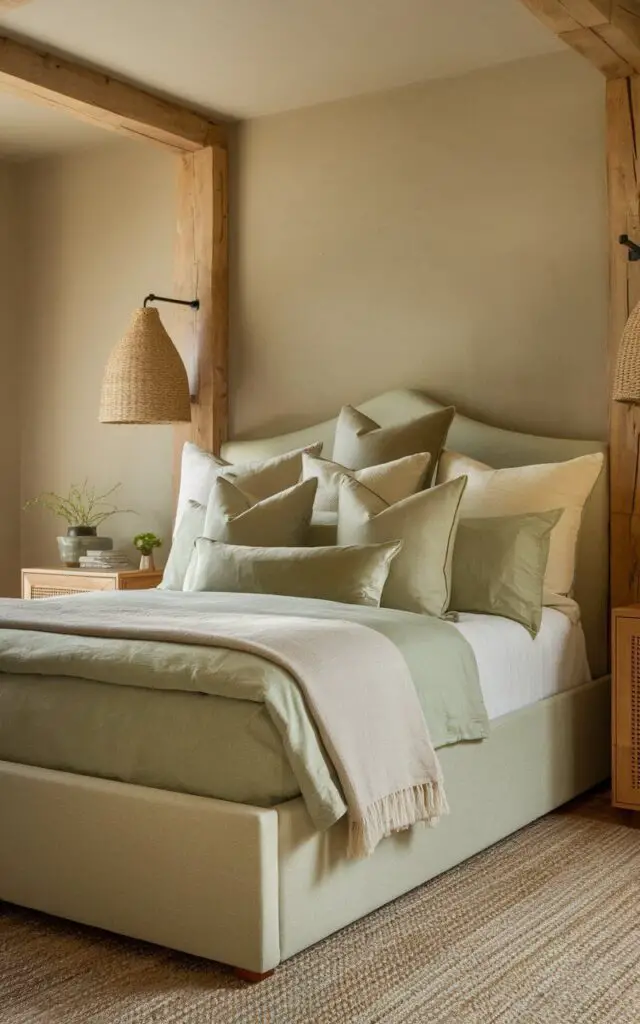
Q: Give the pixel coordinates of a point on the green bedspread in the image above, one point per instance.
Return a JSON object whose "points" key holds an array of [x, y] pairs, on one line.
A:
{"points": [[210, 721]]}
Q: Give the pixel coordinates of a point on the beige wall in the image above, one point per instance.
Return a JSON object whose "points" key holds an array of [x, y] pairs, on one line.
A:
{"points": [[100, 236], [10, 346], [449, 236]]}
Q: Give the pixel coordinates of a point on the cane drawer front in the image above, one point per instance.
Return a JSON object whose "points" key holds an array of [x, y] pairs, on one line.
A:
{"points": [[37, 585], [626, 711]]}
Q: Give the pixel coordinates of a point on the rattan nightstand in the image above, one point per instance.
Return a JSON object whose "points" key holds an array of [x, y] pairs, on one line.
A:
{"points": [[626, 707], [38, 583]]}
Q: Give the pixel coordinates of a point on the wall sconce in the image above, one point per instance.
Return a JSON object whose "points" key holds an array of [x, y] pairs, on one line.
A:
{"points": [[145, 380]]}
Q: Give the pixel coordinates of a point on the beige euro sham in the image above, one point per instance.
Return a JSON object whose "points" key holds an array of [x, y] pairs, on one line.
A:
{"points": [[361, 442], [392, 481], [350, 575], [524, 489], [426, 523]]}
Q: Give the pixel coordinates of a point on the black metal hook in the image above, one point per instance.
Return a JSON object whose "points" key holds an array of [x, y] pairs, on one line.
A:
{"points": [[194, 303], [634, 249]]}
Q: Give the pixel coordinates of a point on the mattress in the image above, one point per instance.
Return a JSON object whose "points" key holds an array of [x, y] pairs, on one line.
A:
{"points": [[516, 670]]}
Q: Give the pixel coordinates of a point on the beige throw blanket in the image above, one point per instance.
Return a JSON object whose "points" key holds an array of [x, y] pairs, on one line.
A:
{"points": [[355, 681]]}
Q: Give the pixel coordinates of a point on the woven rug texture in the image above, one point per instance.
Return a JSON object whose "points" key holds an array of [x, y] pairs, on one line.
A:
{"points": [[543, 928]]}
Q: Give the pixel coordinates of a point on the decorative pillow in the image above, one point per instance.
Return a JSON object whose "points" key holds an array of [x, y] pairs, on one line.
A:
{"points": [[351, 575], [553, 485], [499, 565], [392, 481], [190, 527], [426, 523], [282, 520], [259, 479], [361, 442], [323, 531]]}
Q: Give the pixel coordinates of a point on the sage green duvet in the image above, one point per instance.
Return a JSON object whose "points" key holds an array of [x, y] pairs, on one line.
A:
{"points": [[206, 720]]}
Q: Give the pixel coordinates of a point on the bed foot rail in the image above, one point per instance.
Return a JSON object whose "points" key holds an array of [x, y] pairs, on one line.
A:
{"points": [[251, 976]]}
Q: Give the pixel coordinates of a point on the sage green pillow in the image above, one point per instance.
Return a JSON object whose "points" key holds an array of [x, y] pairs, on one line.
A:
{"points": [[351, 575], [361, 442], [499, 565], [190, 527], [426, 523], [280, 520]]}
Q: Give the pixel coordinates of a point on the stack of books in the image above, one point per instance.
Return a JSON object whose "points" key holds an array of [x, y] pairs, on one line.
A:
{"points": [[107, 561]]}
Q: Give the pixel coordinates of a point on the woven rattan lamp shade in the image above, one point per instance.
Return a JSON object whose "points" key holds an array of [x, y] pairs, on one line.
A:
{"points": [[145, 380], [626, 381]]}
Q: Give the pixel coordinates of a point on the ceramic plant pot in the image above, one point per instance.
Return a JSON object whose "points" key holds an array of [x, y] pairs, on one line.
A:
{"points": [[78, 541], [146, 563]]}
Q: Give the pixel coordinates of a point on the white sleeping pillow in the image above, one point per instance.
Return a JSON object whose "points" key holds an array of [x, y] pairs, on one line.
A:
{"points": [[391, 481], [200, 470], [523, 489]]}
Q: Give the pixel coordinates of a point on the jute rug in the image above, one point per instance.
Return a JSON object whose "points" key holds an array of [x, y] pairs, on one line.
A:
{"points": [[542, 929]]}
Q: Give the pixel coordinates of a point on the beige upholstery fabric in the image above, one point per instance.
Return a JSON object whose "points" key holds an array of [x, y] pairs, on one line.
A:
{"points": [[392, 481], [426, 523], [351, 575], [361, 442], [499, 565], [258, 477], [281, 520], [542, 488]]}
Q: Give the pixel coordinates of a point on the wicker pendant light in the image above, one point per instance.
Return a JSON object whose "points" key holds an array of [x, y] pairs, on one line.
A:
{"points": [[145, 380], [626, 380]]}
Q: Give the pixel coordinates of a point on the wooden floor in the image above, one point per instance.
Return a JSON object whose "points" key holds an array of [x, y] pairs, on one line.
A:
{"points": [[596, 805]]}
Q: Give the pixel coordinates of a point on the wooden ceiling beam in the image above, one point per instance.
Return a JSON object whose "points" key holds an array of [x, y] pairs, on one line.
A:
{"points": [[103, 99], [605, 32]]}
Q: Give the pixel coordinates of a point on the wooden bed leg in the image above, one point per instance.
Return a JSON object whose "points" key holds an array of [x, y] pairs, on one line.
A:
{"points": [[251, 976]]}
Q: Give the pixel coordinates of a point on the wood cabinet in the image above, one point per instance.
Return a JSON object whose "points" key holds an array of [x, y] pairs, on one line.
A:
{"points": [[38, 583], [626, 707]]}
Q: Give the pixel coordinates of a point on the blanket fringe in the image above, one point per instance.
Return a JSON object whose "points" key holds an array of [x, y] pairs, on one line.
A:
{"points": [[395, 812]]}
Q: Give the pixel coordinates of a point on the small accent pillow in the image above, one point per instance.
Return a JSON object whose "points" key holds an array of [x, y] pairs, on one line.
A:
{"points": [[233, 517], [199, 471], [392, 481], [426, 523], [524, 489], [281, 520], [190, 527], [351, 575], [361, 442], [499, 565]]}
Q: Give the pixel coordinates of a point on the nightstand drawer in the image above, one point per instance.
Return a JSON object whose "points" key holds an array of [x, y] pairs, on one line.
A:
{"points": [[41, 583]]}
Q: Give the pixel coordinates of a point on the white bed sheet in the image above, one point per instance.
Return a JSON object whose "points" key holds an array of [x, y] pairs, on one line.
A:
{"points": [[516, 670]]}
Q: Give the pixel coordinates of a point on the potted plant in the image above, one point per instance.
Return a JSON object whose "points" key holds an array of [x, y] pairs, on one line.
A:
{"points": [[145, 543], [84, 510]]}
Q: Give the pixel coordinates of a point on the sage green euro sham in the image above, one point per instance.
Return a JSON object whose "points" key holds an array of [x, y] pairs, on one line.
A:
{"points": [[190, 527], [351, 575], [426, 523], [499, 565], [361, 442]]}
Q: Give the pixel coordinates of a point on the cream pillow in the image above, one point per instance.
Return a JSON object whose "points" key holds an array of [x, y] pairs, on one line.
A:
{"points": [[352, 575], [361, 442], [199, 470], [190, 527], [392, 481], [506, 492], [426, 523], [281, 520]]}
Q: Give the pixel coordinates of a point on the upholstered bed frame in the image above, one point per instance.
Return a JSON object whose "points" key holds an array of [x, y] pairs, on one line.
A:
{"points": [[251, 887]]}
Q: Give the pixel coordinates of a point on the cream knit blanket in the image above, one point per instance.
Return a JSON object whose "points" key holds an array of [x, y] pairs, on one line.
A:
{"points": [[356, 685]]}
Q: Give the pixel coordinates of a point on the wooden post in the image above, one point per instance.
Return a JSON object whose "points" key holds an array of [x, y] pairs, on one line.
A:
{"points": [[623, 117], [201, 271]]}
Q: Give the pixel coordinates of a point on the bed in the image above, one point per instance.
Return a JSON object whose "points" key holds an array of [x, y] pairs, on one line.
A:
{"points": [[250, 886]]}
